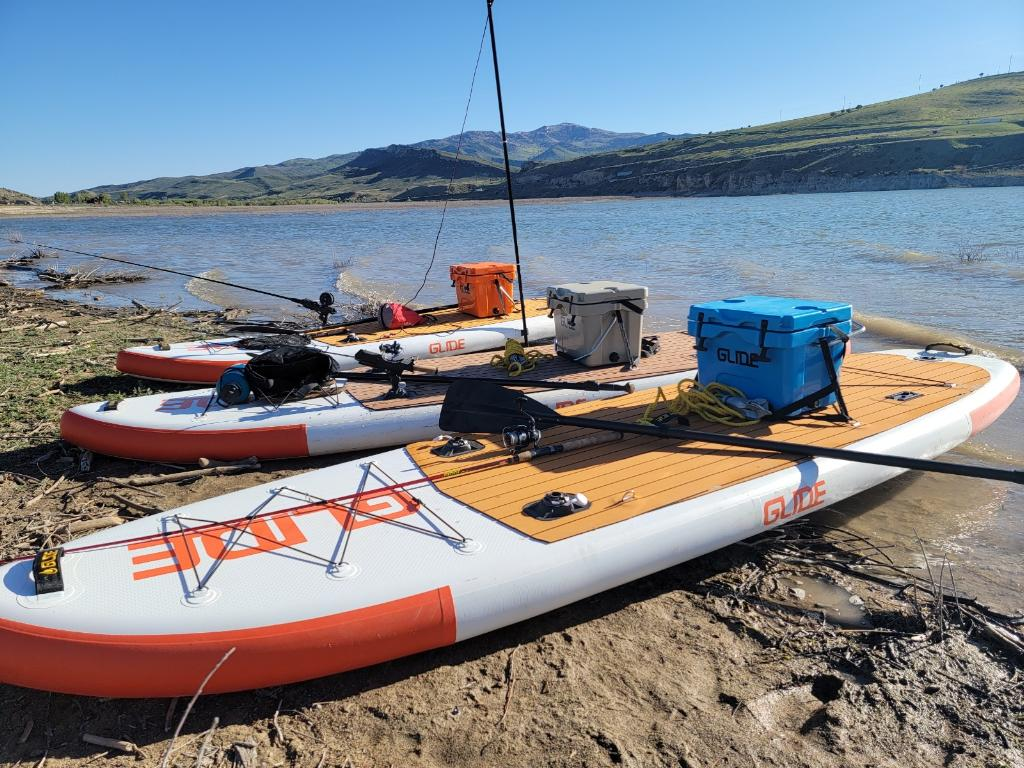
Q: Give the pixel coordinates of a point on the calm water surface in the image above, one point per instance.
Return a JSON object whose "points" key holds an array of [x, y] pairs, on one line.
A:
{"points": [[893, 255]]}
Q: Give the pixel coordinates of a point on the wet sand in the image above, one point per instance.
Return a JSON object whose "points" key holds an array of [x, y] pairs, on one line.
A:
{"points": [[803, 647]]}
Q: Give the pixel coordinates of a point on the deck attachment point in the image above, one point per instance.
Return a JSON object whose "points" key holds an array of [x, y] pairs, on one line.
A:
{"points": [[456, 446], [557, 504], [468, 547], [200, 597], [903, 396], [342, 571]]}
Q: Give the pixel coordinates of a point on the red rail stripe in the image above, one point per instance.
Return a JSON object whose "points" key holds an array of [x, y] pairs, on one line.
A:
{"points": [[984, 415], [143, 444], [188, 370], [134, 666]]}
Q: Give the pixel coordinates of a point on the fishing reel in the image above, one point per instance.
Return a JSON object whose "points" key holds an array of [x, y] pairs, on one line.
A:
{"points": [[324, 308], [392, 349], [518, 438]]}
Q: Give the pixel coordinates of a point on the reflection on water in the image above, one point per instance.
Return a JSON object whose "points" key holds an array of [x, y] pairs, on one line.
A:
{"points": [[893, 255]]}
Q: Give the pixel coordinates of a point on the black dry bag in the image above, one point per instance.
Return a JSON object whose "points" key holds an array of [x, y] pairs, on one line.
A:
{"points": [[288, 371]]}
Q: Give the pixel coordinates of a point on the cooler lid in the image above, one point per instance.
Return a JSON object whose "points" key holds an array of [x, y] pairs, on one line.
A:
{"points": [[598, 292], [783, 314], [483, 268]]}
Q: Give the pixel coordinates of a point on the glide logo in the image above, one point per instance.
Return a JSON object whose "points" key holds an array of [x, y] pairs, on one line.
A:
{"points": [[737, 357], [803, 499], [449, 345]]}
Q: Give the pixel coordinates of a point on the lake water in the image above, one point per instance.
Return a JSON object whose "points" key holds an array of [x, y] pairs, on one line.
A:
{"points": [[894, 255]]}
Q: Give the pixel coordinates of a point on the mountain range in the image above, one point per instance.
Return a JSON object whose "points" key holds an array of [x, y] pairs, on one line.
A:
{"points": [[396, 172], [966, 134]]}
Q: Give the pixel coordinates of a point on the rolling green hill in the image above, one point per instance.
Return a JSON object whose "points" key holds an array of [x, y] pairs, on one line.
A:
{"points": [[968, 134], [397, 172], [10, 197], [971, 133]]}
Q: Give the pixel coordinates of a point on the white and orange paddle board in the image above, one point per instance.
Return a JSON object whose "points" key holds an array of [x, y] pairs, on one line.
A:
{"points": [[381, 557]]}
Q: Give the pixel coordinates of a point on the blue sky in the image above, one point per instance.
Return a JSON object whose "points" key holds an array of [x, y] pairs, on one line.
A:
{"points": [[110, 92]]}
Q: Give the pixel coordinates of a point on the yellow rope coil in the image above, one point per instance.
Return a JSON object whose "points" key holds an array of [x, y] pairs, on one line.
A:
{"points": [[517, 359], [693, 399]]}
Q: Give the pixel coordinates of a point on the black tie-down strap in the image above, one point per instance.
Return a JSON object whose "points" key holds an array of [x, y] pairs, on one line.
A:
{"points": [[808, 401]]}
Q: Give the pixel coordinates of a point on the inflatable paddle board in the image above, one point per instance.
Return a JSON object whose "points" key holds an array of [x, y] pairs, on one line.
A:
{"points": [[449, 332], [184, 426], [381, 557]]}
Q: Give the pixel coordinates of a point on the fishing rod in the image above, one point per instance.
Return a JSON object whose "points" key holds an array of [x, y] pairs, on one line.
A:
{"points": [[324, 307], [508, 171], [483, 408]]}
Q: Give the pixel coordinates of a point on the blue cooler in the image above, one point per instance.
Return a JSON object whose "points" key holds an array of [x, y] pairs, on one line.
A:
{"points": [[770, 347]]}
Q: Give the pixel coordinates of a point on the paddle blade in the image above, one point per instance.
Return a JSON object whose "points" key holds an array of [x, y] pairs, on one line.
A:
{"points": [[481, 407]]}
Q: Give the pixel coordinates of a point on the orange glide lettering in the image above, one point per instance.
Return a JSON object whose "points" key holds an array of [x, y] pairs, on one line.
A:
{"points": [[802, 500]]}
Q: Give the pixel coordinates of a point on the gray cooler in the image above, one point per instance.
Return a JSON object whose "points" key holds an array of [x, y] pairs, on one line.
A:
{"points": [[598, 323]]}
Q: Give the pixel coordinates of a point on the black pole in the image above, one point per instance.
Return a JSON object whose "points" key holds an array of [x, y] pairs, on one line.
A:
{"points": [[508, 171]]}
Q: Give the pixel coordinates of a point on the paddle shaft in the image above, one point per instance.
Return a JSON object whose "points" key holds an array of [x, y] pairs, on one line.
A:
{"points": [[586, 386], [794, 449]]}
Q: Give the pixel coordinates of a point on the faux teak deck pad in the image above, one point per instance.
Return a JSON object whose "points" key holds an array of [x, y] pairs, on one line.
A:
{"points": [[638, 474], [676, 354], [446, 320]]}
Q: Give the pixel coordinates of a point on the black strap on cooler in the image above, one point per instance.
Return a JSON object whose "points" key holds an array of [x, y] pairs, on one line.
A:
{"points": [[808, 401]]}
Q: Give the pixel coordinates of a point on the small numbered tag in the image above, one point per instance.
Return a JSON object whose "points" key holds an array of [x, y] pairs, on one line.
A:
{"points": [[48, 572]]}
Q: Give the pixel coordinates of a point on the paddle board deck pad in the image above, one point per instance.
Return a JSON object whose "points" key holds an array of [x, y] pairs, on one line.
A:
{"points": [[448, 332], [378, 558], [185, 426]]}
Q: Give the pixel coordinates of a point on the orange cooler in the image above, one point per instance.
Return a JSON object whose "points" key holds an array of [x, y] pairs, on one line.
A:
{"points": [[484, 288]]}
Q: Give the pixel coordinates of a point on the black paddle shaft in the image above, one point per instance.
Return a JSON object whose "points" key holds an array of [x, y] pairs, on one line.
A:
{"points": [[796, 449], [491, 409], [586, 386]]}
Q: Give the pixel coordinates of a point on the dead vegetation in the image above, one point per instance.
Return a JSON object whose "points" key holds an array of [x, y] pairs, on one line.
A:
{"points": [[808, 646], [81, 278]]}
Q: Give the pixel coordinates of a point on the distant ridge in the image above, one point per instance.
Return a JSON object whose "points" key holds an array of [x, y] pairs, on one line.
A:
{"points": [[10, 197], [396, 172], [967, 134]]}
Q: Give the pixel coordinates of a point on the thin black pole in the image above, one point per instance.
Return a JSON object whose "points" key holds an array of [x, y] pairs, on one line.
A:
{"points": [[508, 171]]}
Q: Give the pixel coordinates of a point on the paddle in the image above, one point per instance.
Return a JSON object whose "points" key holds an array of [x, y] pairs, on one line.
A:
{"points": [[586, 386], [486, 408], [393, 371]]}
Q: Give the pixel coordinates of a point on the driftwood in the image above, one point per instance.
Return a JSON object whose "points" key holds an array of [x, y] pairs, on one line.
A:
{"points": [[191, 474], [215, 463], [138, 506], [80, 526], [70, 278], [118, 744]]}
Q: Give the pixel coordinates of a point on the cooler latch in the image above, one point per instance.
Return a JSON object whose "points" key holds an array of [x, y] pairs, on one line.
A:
{"points": [[761, 338], [701, 346]]}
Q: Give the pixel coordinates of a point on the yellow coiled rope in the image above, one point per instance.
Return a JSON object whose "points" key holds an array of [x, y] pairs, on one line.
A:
{"points": [[693, 399], [517, 359]]}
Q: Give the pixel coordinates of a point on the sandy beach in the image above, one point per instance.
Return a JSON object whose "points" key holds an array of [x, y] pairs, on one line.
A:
{"points": [[77, 211], [803, 647]]}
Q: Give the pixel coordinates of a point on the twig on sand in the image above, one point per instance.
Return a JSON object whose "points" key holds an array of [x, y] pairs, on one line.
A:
{"points": [[201, 755], [172, 704], [277, 726], [191, 474], [138, 506], [80, 526], [510, 684], [191, 703], [119, 744], [45, 493]]}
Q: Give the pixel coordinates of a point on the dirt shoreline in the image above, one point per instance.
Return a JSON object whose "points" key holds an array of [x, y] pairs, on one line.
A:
{"points": [[803, 647], [80, 211]]}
